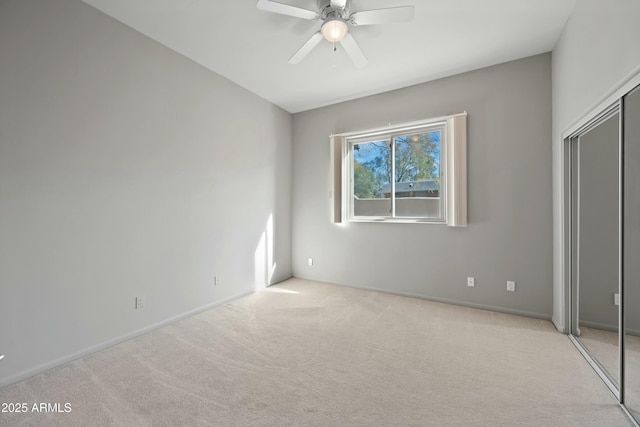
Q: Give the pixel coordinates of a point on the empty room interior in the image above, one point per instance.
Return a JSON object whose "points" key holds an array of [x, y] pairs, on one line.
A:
{"points": [[320, 212]]}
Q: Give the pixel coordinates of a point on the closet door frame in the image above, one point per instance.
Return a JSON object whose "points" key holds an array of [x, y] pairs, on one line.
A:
{"points": [[571, 191], [566, 257]]}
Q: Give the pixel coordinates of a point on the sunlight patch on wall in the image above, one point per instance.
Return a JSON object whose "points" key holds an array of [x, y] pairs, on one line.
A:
{"points": [[264, 267]]}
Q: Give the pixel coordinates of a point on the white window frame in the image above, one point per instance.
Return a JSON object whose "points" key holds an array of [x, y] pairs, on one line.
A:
{"points": [[453, 203], [390, 137]]}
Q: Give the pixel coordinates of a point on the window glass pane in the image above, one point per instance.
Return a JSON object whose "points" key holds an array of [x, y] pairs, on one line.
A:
{"points": [[371, 173], [401, 173], [417, 175]]}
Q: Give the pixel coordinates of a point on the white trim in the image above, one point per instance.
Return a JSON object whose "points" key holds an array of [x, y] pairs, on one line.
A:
{"points": [[110, 343], [390, 137], [631, 418], [559, 327], [559, 249], [453, 170], [398, 220], [627, 84], [546, 317]]}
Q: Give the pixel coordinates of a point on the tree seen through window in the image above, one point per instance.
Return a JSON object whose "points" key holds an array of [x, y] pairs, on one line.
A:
{"points": [[417, 161]]}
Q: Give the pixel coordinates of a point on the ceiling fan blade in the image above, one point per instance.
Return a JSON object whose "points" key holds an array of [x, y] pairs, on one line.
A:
{"points": [[383, 16], [285, 9], [353, 50], [306, 48], [338, 4]]}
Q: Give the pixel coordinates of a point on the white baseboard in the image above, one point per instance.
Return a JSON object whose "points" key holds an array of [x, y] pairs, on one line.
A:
{"points": [[560, 327], [102, 346], [435, 299], [607, 327], [599, 325], [276, 280]]}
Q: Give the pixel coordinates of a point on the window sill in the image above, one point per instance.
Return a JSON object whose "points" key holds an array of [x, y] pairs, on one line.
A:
{"points": [[400, 220]]}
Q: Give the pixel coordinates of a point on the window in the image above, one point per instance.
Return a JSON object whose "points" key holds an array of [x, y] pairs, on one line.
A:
{"points": [[397, 175], [405, 173]]}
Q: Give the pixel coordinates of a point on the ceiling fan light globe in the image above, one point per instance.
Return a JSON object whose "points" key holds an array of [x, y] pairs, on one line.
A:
{"points": [[334, 30]]}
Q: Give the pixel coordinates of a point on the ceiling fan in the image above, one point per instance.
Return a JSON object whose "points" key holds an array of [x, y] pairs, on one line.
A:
{"points": [[336, 17]]}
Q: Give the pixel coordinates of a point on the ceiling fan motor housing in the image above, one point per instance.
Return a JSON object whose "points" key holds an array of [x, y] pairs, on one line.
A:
{"points": [[328, 12]]}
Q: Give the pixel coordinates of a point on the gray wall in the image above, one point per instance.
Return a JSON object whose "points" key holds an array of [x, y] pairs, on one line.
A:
{"points": [[509, 236], [597, 52], [125, 170]]}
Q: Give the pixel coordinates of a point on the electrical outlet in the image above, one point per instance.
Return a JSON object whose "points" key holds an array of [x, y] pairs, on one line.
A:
{"points": [[139, 303], [471, 282], [310, 261], [216, 281], [616, 299], [511, 286]]}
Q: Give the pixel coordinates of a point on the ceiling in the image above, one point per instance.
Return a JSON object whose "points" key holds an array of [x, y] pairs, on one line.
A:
{"points": [[251, 47]]}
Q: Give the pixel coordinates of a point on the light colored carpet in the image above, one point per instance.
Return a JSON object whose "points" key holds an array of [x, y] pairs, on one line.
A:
{"points": [[308, 354], [632, 370], [604, 346]]}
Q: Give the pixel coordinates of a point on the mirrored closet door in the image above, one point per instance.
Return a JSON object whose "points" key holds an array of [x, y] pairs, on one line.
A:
{"points": [[602, 187], [596, 242], [631, 251]]}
